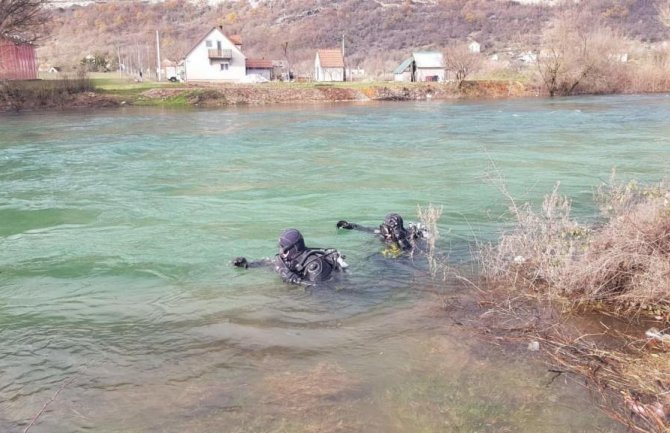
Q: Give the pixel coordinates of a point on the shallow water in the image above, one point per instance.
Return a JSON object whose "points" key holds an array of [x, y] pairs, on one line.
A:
{"points": [[117, 228]]}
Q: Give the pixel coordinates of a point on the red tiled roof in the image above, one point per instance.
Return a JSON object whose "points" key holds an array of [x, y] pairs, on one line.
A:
{"points": [[259, 64], [331, 58], [235, 39]]}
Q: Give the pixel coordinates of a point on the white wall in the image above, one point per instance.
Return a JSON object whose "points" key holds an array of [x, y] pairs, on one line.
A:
{"points": [[327, 74], [267, 73], [200, 68], [422, 73], [405, 76]]}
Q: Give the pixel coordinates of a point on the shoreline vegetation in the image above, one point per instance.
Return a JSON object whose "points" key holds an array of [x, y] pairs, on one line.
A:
{"points": [[85, 92], [593, 298], [107, 90]]}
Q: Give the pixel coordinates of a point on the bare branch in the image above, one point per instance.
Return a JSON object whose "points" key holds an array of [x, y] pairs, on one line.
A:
{"points": [[664, 13], [461, 61], [23, 19]]}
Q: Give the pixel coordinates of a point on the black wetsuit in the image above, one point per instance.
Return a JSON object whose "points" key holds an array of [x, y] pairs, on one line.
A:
{"points": [[392, 232], [297, 264]]}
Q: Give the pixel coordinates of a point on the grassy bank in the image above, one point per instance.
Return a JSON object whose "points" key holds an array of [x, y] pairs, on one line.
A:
{"points": [[18, 95], [595, 297], [111, 89]]}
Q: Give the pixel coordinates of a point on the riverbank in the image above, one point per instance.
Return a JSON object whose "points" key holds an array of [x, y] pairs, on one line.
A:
{"points": [[38, 96], [594, 298]]}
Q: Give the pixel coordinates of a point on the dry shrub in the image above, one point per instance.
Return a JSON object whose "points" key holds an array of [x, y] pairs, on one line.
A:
{"points": [[627, 261], [620, 267], [429, 216], [649, 77], [649, 70], [624, 262], [535, 253]]}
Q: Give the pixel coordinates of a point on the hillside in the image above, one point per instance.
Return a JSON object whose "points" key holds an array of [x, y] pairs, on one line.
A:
{"points": [[377, 33]]}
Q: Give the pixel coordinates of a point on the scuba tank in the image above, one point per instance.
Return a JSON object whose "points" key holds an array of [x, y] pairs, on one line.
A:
{"points": [[317, 265]]}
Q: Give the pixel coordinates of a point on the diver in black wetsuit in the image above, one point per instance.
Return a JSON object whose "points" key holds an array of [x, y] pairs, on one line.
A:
{"points": [[297, 264], [392, 232]]}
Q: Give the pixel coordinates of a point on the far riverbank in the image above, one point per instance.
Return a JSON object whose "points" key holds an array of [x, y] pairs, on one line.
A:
{"points": [[51, 94]]}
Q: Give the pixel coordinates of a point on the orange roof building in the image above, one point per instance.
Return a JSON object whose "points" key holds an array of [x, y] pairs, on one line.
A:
{"points": [[259, 64], [329, 65]]}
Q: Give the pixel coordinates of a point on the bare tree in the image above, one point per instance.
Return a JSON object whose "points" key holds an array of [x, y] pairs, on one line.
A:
{"points": [[24, 19], [577, 52], [664, 13], [460, 60]]}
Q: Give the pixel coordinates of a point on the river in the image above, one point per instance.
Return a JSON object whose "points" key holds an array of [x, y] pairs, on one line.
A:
{"points": [[120, 311]]}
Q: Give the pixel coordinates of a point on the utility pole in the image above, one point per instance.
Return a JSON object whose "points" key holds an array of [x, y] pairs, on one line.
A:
{"points": [[118, 54], [344, 72], [158, 56]]}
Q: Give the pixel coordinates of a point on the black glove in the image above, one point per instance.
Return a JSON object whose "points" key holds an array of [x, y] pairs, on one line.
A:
{"points": [[344, 225], [240, 262]]}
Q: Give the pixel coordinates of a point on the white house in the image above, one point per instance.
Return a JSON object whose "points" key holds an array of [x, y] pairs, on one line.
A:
{"points": [[329, 65], [216, 57], [422, 66], [474, 47]]}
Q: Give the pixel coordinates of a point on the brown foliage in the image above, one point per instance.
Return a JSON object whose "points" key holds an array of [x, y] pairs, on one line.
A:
{"points": [[374, 35], [580, 56], [623, 263]]}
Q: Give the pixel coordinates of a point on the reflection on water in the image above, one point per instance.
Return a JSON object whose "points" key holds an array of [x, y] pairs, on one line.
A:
{"points": [[117, 229]]}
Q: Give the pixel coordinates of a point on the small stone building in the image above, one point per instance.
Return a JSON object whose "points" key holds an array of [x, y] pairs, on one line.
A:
{"points": [[329, 65]]}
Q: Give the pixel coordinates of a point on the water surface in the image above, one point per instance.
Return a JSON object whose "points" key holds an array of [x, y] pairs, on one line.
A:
{"points": [[117, 228]]}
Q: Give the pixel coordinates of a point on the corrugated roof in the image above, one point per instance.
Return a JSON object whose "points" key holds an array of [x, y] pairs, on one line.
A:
{"points": [[428, 59], [403, 66], [259, 64], [331, 58]]}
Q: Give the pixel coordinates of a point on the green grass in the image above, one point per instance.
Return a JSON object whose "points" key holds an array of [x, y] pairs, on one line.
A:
{"points": [[181, 100]]}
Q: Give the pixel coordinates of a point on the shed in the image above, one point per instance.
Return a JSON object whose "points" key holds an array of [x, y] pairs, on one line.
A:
{"points": [[329, 65], [17, 59], [261, 67], [422, 66]]}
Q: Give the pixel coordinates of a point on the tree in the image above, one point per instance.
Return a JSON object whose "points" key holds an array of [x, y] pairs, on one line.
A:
{"points": [[460, 60], [664, 13], [578, 52], [25, 19]]}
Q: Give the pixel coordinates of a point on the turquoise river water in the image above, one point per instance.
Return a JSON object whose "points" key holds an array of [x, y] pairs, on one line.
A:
{"points": [[120, 311]]}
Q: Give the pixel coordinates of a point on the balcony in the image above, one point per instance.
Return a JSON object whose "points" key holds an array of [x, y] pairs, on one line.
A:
{"points": [[220, 54]]}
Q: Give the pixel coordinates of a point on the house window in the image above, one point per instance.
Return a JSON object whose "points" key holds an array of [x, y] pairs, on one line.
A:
{"points": [[224, 66], [208, 44]]}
